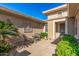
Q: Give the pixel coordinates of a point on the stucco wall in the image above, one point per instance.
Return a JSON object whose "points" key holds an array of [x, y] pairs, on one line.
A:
{"points": [[51, 18], [21, 24], [50, 29], [55, 15], [77, 18], [71, 26], [52, 34]]}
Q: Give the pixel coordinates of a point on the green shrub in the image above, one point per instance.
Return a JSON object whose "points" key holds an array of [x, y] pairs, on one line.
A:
{"points": [[43, 35], [68, 38], [67, 46], [64, 49], [76, 47], [5, 48]]}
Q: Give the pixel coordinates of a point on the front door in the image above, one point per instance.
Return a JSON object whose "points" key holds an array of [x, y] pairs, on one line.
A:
{"points": [[60, 29]]}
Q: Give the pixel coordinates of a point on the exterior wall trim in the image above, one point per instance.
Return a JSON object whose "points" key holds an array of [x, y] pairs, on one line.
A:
{"points": [[56, 9], [56, 18]]}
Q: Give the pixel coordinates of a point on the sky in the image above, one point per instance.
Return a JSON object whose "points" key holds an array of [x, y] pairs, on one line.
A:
{"points": [[31, 9]]}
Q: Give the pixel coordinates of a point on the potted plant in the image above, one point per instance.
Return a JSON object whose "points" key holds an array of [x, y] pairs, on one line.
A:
{"points": [[44, 35]]}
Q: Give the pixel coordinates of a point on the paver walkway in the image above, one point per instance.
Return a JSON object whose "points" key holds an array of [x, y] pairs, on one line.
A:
{"points": [[41, 48]]}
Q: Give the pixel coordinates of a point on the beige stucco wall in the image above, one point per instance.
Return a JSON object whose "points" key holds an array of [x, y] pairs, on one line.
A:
{"points": [[52, 34], [71, 26], [77, 18], [51, 25], [55, 15], [73, 14], [50, 29], [72, 7], [21, 24], [73, 11]]}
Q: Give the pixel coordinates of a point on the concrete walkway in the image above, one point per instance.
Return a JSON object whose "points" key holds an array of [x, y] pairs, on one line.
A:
{"points": [[41, 48]]}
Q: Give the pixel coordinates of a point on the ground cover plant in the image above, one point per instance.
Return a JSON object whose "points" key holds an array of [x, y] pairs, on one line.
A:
{"points": [[67, 46]]}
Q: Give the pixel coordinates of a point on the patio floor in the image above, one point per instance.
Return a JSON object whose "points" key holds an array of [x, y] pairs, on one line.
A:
{"points": [[41, 48]]}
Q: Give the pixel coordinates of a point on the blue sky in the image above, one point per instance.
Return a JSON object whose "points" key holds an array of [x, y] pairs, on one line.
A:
{"points": [[31, 9]]}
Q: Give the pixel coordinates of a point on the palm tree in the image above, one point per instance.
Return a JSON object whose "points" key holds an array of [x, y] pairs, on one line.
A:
{"points": [[7, 30]]}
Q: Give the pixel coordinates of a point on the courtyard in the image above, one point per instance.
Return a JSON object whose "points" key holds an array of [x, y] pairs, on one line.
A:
{"points": [[41, 48]]}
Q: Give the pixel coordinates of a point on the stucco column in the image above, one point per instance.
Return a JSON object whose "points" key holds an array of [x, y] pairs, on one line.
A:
{"points": [[58, 27], [66, 27], [53, 30], [44, 28]]}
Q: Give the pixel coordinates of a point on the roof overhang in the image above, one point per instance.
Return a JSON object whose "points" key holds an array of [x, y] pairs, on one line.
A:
{"points": [[57, 18], [7, 11], [72, 9], [62, 7]]}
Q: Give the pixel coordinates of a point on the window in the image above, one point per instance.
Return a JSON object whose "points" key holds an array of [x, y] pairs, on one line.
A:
{"points": [[28, 29], [60, 12]]}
